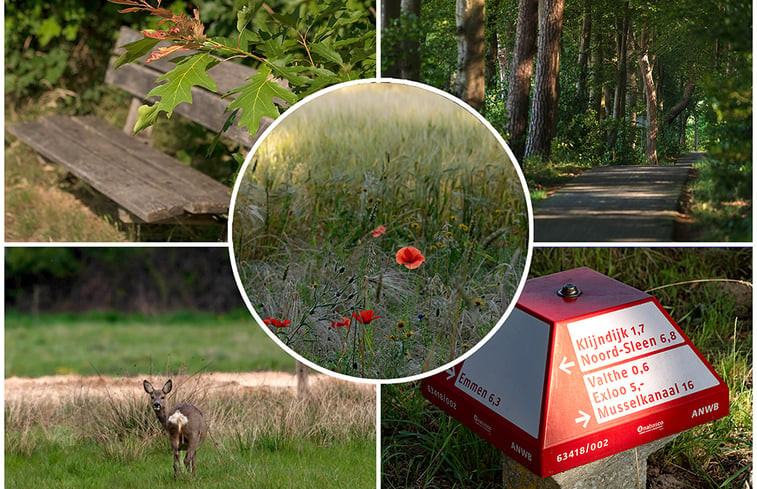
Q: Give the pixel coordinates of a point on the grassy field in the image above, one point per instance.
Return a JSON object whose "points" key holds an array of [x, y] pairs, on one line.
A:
{"points": [[112, 344], [258, 438], [340, 189], [707, 291]]}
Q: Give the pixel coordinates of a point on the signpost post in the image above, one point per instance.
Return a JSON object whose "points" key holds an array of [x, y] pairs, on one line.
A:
{"points": [[584, 368]]}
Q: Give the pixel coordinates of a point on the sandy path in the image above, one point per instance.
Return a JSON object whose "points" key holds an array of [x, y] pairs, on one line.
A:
{"points": [[65, 387]]}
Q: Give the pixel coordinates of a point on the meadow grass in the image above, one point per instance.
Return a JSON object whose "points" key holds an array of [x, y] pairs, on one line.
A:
{"points": [[344, 183], [709, 294], [115, 344], [258, 438]]}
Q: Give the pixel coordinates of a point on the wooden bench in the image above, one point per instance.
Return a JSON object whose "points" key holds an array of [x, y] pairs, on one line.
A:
{"points": [[149, 186]]}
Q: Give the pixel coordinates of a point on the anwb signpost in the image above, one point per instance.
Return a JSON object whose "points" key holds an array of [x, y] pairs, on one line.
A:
{"points": [[584, 368]]}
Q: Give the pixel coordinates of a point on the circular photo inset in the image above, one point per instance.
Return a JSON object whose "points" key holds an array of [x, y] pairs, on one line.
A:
{"points": [[380, 230]]}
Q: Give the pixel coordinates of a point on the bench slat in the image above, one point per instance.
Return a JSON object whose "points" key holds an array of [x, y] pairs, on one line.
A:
{"points": [[151, 185]]}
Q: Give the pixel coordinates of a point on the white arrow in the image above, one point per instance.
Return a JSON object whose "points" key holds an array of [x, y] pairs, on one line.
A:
{"points": [[585, 418], [450, 372], [565, 365]]}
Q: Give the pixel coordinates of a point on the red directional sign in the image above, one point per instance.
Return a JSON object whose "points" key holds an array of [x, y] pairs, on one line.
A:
{"points": [[583, 368]]}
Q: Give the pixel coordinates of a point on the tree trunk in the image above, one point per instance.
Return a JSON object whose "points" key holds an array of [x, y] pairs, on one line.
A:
{"points": [[622, 27], [492, 49], [688, 90], [596, 80], [645, 66], [520, 75], [470, 83], [584, 50], [391, 55], [410, 68], [544, 100]]}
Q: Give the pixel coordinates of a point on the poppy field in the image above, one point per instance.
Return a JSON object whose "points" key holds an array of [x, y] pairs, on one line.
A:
{"points": [[380, 230]]}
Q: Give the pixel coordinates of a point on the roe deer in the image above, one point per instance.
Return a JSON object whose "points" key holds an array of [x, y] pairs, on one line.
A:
{"points": [[184, 424]]}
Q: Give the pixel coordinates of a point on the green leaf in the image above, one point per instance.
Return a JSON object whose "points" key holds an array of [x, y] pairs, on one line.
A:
{"points": [[48, 30], [135, 50], [189, 71], [247, 13], [327, 52], [256, 99], [146, 117], [290, 72]]}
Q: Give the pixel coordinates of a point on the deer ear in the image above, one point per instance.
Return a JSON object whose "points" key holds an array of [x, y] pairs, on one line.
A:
{"points": [[148, 387], [167, 388]]}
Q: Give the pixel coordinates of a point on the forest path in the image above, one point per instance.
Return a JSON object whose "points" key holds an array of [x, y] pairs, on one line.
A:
{"points": [[615, 203]]}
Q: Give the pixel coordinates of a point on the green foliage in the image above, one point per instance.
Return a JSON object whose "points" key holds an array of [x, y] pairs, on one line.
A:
{"points": [[62, 44], [308, 44]]}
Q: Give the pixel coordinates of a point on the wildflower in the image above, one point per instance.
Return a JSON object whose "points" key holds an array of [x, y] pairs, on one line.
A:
{"points": [[276, 322], [415, 226], [409, 334], [448, 234], [365, 316], [421, 317], [439, 244], [392, 337], [378, 231], [401, 324], [463, 227], [410, 257], [478, 301], [345, 322]]}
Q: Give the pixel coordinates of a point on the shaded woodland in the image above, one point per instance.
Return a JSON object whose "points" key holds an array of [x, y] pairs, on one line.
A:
{"points": [[130, 280], [592, 81]]}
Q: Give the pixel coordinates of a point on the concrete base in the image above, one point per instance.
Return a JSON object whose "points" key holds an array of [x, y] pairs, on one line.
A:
{"points": [[625, 470]]}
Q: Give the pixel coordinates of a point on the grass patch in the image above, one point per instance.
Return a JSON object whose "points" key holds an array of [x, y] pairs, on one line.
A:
{"points": [[707, 291], [113, 344], [545, 177], [345, 183], [258, 437], [719, 214]]}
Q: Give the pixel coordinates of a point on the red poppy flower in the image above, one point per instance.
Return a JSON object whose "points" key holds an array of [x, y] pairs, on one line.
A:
{"points": [[276, 322], [345, 322], [365, 317], [410, 257], [378, 231]]}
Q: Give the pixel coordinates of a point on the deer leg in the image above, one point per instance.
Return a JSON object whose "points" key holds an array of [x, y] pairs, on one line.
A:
{"points": [[175, 447], [189, 459]]}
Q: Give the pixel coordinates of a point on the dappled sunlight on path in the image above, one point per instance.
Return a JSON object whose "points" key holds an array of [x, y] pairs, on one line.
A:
{"points": [[615, 203]]}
